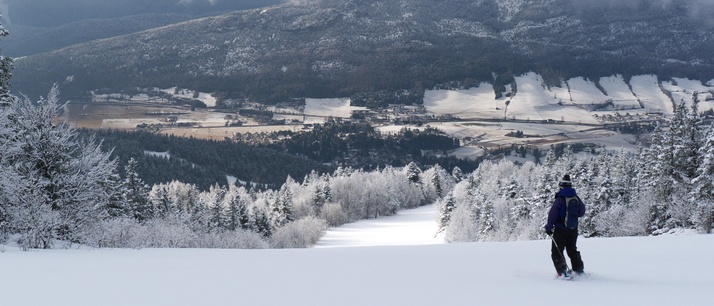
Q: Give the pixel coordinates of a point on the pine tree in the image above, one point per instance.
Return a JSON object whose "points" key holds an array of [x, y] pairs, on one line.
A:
{"points": [[702, 194], [458, 174], [448, 204], [5, 74], [136, 193], [413, 173], [238, 215], [261, 223], [660, 180], [436, 181], [215, 204], [160, 202], [683, 132], [281, 208], [68, 179]]}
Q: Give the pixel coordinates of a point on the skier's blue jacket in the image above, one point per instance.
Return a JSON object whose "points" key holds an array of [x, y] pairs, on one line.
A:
{"points": [[557, 214]]}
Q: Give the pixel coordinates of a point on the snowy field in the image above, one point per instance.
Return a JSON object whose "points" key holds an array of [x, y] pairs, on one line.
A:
{"points": [[317, 110], [647, 90], [414, 270], [206, 98], [535, 101]]}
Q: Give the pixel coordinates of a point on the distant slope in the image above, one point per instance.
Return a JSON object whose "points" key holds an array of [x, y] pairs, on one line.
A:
{"points": [[25, 41], [52, 13], [337, 48]]}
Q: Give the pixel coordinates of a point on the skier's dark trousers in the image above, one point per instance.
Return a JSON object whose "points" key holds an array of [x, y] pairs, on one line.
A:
{"points": [[563, 225]]}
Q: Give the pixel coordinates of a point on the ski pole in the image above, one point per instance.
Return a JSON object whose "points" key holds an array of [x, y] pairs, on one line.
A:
{"points": [[560, 252]]}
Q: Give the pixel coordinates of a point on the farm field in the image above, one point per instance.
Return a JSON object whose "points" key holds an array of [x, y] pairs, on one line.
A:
{"points": [[570, 113]]}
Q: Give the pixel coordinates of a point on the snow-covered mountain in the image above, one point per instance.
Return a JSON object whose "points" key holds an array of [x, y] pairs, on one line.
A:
{"points": [[334, 48]]}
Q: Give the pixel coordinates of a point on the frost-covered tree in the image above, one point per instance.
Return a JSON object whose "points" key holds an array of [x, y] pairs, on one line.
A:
{"points": [[660, 179], [413, 173], [70, 182], [684, 133], [261, 222], [702, 194], [457, 174], [280, 207], [238, 216], [215, 203], [448, 204], [439, 182], [160, 201], [5, 74]]}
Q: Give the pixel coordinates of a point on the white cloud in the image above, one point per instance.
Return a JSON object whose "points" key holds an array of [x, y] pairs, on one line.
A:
{"points": [[187, 2]]}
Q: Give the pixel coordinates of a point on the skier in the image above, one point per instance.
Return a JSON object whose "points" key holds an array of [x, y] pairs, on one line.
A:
{"points": [[562, 226]]}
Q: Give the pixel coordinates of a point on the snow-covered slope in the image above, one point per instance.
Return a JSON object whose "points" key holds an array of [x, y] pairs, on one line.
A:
{"points": [[408, 227], [665, 270], [578, 100]]}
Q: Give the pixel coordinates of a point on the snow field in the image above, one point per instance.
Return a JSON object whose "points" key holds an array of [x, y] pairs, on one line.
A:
{"points": [[317, 110], [535, 101], [617, 90], [646, 88], [685, 89], [585, 92], [206, 98], [624, 271], [477, 102]]}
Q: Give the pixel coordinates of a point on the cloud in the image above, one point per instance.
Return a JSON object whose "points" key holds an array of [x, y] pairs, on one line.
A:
{"points": [[304, 2], [4, 12], [187, 2]]}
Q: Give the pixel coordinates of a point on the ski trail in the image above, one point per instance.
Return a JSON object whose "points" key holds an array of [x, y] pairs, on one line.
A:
{"points": [[408, 227]]}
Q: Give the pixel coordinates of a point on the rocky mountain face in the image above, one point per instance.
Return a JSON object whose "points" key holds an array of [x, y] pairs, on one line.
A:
{"points": [[334, 48]]}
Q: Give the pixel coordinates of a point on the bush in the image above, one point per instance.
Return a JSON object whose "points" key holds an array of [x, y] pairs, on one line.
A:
{"points": [[302, 233], [334, 215], [238, 239]]}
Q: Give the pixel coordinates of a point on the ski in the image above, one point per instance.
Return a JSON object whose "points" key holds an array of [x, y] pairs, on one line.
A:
{"points": [[570, 275]]}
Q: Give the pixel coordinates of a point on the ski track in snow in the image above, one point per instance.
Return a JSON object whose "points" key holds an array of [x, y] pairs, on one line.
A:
{"points": [[408, 227]]}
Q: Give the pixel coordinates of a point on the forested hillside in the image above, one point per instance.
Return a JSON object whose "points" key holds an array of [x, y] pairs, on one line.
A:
{"points": [[341, 48], [204, 163]]}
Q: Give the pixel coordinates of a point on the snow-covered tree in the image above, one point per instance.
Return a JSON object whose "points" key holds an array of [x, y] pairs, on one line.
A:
{"points": [[238, 216], [448, 204], [702, 194], [160, 201], [281, 208], [413, 173], [136, 193], [215, 203], [457, 174], [5, 74], [70, 182]]}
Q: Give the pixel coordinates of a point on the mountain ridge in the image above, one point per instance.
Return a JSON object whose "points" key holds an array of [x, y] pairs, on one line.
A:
{"points": [[344, 47]]}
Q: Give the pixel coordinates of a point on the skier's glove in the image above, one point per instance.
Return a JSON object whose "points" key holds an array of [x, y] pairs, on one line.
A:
{"points": [[549, 232]]}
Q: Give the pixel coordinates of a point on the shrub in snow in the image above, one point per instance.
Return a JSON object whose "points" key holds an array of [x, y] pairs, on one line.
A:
{"points": [[302, 233], [115, 233], [239, 239], [333, 214]]}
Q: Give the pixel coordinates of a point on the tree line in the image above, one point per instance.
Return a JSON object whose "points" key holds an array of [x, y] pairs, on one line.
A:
{"points": [[665, 186], [199, 161], [57, 188]]}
